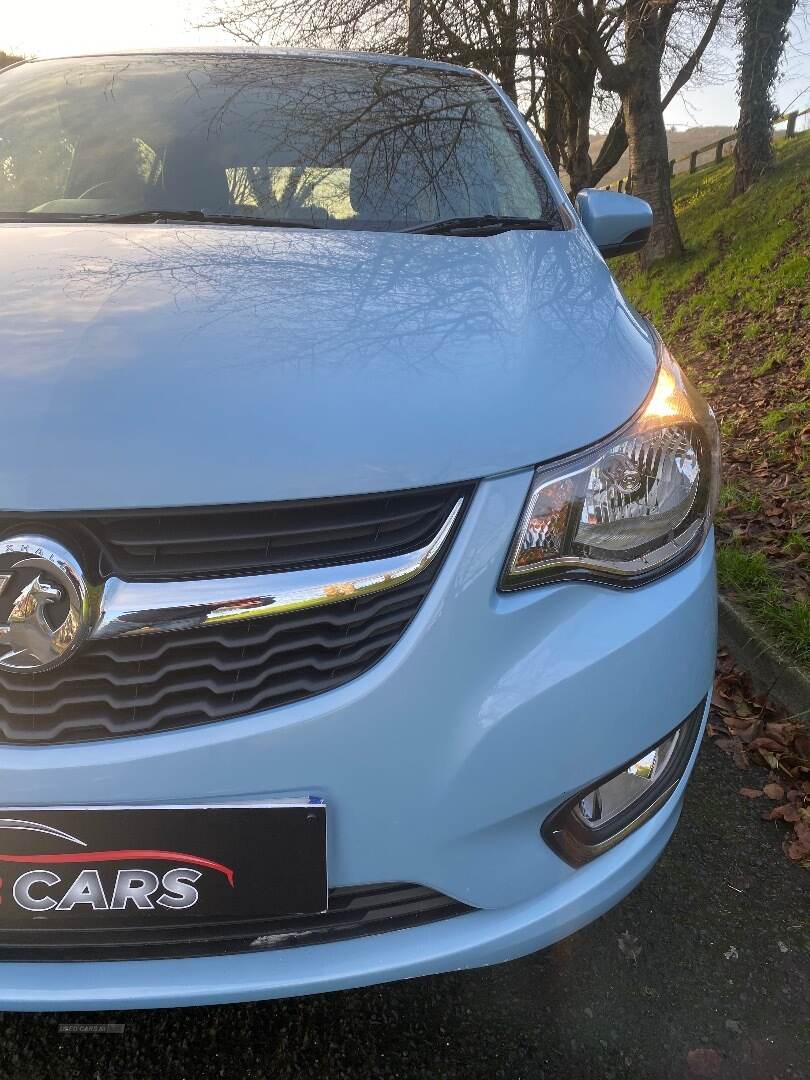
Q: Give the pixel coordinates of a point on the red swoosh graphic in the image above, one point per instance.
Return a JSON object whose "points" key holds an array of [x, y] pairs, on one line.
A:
{"points": [[126, 853]]}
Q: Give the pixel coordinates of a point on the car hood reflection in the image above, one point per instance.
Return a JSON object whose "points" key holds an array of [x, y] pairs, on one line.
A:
{"points": [[175, 365]]}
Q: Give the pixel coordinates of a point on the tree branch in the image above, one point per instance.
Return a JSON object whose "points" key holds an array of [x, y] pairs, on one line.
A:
{"points": [[688, 69]]}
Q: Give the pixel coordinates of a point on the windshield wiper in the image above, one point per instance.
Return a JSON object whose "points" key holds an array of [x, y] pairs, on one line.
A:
{"points": [[481, 225], [147, 217]]}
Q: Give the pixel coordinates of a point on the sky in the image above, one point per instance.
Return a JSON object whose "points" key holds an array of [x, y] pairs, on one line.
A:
{"points": [[58, 28]]}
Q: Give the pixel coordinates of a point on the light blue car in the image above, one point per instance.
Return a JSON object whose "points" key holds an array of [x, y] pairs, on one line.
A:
{"points": [[357, 589]]}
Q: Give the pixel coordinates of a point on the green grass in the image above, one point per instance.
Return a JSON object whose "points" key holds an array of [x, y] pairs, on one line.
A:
{"points": [[732, 495], [696, 294], [797, 544], [747, 575], [788, 420]]}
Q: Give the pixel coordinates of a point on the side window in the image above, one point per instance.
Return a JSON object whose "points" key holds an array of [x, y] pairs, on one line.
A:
{"points": [[34, 162]]}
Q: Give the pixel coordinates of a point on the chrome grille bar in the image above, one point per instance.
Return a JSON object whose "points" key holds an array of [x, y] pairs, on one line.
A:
{"points": [[131, 608]]}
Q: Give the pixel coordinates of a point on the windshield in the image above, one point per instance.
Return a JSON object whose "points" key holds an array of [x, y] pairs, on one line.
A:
{"points": [[331, 143]]}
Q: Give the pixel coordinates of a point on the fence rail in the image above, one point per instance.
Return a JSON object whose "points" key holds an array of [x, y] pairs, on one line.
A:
{"points": [[716, 147]]}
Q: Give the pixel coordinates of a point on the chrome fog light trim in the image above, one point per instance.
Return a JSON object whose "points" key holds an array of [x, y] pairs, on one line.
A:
{"points": [[599, 816]]}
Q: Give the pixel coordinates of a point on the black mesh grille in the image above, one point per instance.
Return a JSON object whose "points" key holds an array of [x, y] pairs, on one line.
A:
{"points": [[354, 911], [150, 545], [124, 686]]}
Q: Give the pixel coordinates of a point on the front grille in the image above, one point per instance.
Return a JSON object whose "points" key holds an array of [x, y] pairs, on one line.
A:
{"points": [[354, 911], [152, 545], [129, 685]]}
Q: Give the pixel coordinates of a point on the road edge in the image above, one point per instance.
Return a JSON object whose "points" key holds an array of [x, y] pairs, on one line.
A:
{"points": [[771, 672]]}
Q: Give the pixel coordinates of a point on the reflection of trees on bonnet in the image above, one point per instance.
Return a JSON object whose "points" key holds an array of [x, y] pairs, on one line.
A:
{"points": [[322, 298]]}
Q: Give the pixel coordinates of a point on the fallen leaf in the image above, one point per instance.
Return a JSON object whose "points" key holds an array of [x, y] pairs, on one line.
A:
{"points": [[764, 743], [629, 946], [774, 791], [788, 812], [783, 733], [748, 734], [797, 850], [755, 733], [738, 754]]}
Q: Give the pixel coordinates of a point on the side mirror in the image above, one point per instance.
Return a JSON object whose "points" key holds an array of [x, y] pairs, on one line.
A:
{"points": [[617, 223]]}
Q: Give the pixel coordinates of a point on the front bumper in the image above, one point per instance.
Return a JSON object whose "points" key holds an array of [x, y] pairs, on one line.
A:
{"points": [[437, 766]]}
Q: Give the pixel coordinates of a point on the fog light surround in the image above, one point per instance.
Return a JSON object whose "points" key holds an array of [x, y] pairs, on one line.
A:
{"points": [[597, 817]]}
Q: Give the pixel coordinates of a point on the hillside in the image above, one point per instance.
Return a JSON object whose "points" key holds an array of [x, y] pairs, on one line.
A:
{"points": [[6, 59], [736, 312], [680, 144]]}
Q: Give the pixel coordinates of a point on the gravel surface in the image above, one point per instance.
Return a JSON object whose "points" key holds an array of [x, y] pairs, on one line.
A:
{"points": [[703, 971]]}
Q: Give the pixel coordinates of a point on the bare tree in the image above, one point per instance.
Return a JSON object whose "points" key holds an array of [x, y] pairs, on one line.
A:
{"points": [[636, 78], [762, 36], [546, 54]]}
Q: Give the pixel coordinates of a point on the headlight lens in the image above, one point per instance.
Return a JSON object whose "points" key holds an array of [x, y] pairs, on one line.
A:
{"points": [[630, 509]]}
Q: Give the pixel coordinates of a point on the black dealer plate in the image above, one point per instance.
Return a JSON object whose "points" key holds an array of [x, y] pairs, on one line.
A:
{"points": [[139, 866]]}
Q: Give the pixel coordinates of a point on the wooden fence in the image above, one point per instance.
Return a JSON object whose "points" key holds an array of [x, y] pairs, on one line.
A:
{"points": [[716, 148]]}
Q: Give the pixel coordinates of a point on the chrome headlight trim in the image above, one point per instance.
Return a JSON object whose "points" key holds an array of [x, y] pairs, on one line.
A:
{"points": [[673, 418]]}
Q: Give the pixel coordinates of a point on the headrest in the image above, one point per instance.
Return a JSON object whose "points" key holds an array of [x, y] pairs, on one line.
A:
{"points": [[194, 177], [384, 190]]}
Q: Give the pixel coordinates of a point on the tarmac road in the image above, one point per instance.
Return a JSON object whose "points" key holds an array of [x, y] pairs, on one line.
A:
{"points": [[703, 971]]}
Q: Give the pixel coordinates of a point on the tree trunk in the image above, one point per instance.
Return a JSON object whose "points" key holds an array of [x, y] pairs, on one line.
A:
{"points": [[508, 31], [611, 150], [553, 107], [416, 27], [550, 35], [579, 147], [578, 81], [646, 131], [763, 34], [579, 171]]}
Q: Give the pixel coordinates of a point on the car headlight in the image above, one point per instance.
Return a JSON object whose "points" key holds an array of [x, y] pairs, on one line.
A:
{"points": [[631, 508]]}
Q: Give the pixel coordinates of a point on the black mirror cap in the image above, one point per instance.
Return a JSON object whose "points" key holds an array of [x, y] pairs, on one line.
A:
{"points": [[634, 242]]}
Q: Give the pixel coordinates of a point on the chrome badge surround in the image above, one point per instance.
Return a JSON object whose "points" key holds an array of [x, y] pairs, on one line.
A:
{"points": [[31, 639]]}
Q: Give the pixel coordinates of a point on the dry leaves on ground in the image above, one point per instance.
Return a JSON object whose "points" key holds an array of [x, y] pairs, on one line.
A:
{"points": [[768, 468], [753, 732]]}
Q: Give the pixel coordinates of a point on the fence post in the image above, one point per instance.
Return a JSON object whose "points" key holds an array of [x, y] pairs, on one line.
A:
{"points": [[693, 161], [718, 151], [672, 167], [791, 124]]}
